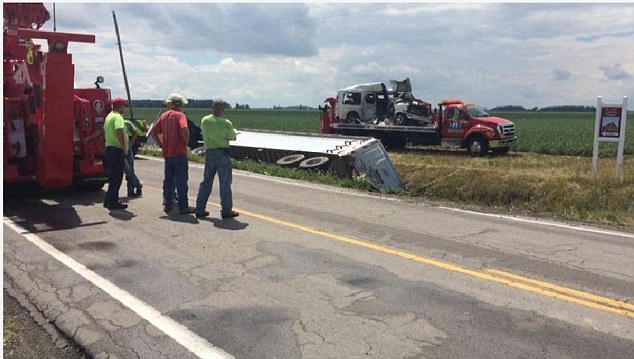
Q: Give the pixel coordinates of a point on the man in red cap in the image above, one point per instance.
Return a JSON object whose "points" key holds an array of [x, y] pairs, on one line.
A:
{"points": [[116, 148]]}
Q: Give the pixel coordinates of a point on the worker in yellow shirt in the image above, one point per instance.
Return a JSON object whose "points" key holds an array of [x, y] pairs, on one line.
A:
{"points": [[116, 148]]}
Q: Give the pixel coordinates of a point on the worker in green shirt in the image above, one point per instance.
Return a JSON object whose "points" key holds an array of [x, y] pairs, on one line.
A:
{"points": [[217, 132], [116, 148]]}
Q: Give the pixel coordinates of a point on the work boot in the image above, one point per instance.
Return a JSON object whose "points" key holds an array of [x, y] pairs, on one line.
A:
{"points": [[135, 191], [188, 210], [117, 205], [230, 215]]}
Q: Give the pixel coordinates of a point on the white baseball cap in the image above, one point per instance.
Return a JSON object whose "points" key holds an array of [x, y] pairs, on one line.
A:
{"points": [[174, 97]]}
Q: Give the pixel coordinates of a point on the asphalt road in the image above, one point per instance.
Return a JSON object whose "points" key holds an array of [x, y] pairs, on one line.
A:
{"points": [[316, 272]]}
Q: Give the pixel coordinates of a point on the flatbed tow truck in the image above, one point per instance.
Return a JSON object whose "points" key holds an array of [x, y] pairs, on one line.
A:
{"points": [[453, 124]]}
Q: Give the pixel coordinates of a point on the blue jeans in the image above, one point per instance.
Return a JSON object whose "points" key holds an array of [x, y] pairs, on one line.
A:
{"points": [[176, 175], [130, 177], [216, 161]]}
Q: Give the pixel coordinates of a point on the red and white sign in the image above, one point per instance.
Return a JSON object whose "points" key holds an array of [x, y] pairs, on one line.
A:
{"points": [[610, 123]]}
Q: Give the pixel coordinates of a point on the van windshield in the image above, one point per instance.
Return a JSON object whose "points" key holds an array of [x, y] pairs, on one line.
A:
{"points": [[475, 111]]}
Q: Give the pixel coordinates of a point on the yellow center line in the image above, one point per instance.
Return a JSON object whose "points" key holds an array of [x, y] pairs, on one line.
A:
{"points": [[572, 292], [493, 275]]}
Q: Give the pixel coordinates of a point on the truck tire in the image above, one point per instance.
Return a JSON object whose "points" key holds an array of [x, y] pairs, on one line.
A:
{"points": [[477, 146], [400, 119], [319, 163], [291, 160], [353, 117]]}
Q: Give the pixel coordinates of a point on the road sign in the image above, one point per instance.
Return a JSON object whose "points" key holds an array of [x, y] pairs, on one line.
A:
{"points": [[610, 122]]}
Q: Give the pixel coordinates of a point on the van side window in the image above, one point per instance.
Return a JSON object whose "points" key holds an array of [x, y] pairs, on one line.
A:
{"points": [[351, 98], [370, 97]]}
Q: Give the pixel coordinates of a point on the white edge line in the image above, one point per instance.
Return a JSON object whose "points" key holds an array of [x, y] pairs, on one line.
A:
{"points": [[181, 334], [552, 224], [499, 216]]}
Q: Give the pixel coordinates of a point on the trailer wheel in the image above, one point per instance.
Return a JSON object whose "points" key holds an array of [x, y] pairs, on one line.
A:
{"points": [[353, 117], [199, 151], [400, 119], [477, 146], [315, 163], [291, 160]]}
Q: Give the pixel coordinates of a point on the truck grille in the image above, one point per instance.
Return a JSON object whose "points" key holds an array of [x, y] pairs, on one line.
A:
{"points": [[507, 130]]}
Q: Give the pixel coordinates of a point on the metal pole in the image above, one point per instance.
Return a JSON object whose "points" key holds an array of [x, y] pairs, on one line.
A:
{"points": [[54, 19], [619, 155], [125, 77]]}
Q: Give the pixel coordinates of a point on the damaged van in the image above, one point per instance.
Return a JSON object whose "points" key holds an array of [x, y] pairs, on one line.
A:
{"points": [[363, 103]]}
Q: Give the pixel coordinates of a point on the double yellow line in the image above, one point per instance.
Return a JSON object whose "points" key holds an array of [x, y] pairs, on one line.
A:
{"points": [[512, 280], [493, 275]]}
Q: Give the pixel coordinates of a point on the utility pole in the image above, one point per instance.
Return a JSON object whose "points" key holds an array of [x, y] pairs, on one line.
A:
{"points": [[125, 76]]}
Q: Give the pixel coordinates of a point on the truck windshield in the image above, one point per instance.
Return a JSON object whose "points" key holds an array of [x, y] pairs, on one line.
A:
{"points": [[477, 112]]}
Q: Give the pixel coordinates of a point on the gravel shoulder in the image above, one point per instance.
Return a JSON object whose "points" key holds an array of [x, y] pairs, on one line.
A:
{"points": [[24, 338]]}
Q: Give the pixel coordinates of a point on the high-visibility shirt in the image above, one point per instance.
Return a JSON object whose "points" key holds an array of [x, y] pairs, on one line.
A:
{"points": [[217, 132], [137, 125], [113, 122]]}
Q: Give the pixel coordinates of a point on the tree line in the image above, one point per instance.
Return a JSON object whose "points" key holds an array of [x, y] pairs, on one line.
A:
{"points": [[561, 108], [190, 103]]}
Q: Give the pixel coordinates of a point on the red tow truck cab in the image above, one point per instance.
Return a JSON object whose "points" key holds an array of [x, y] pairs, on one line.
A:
{"points": [[453, 124], [46, 120], [468, 126]]}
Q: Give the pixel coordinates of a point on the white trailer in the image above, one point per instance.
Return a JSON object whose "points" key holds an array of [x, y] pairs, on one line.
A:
{"points": [[343, 155]]}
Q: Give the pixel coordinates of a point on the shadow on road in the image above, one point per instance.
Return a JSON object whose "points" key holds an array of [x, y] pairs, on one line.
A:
{"points": [[39, 210], [231, 224]]}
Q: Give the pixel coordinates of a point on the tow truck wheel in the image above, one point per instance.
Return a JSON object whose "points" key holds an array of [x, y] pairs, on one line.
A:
{"points": [[400, 119], [477, 146], [352, 117]]}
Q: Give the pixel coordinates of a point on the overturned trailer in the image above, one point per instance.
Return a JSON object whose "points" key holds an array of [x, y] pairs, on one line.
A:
{"points": [[342, 155]]}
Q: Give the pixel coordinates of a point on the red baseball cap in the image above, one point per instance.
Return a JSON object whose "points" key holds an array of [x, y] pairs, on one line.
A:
{"points": [[119, 102]]}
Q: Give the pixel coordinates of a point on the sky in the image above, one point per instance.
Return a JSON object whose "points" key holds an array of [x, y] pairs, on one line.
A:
{"points": [[287, 54]]}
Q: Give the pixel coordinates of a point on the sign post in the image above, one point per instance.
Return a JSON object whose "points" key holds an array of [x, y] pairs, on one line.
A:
{"points": [[610, 122]]}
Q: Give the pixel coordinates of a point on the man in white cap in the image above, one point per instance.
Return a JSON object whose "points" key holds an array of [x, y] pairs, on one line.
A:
{"points": [[170, 132]]}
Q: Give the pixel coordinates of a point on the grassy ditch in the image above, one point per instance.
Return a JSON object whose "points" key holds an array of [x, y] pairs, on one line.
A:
{"points": [[522, 183], [559, 187]]}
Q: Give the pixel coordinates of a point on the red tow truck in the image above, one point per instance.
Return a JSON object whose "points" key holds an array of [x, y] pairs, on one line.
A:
{"points": [[453, 124], [47, 123]]}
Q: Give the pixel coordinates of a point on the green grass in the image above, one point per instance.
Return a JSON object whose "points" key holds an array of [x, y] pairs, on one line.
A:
{"points": [[554, 133], [9, 330], [548, 174], [272, 120], [561, 133], [525, 183]]}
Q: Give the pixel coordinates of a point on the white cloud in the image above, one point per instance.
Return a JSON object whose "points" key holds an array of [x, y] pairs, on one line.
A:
{"points": [[286, 54]]}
